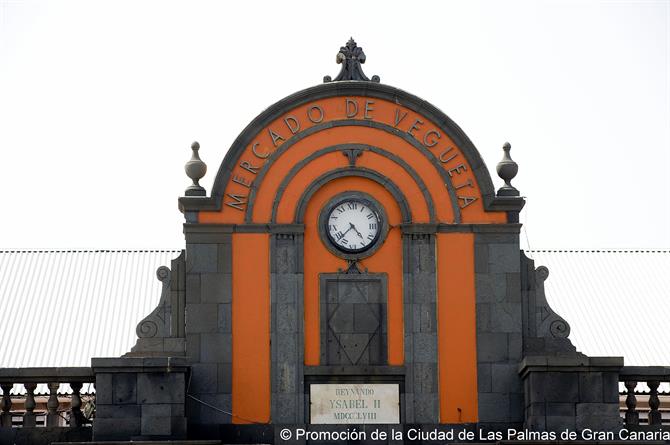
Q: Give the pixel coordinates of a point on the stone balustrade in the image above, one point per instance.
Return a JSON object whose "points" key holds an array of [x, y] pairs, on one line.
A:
{"points": [[53, 378], [653, 377]]}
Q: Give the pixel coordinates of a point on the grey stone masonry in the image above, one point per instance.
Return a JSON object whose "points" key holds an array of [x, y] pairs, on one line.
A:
{"points": [[499, 327], [563, 388], [420, 313], [140, 398], [286, 328], [571, 392], [544, 331], [353, 319], [161, 333], [208, 322]]}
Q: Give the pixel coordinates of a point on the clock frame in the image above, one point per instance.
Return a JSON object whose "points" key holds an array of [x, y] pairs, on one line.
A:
{"points": [[341, 251]]}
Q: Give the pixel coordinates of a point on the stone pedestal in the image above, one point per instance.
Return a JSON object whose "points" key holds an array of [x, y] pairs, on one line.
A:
{"points": [[571, 392], [140, 398]]}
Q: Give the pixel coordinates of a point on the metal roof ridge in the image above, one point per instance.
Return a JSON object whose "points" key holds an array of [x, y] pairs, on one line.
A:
{"points": [[600, 250], [85, 250]]}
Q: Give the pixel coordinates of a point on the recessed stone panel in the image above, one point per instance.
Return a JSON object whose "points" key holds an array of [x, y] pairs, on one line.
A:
{"points": [[353, 319]]}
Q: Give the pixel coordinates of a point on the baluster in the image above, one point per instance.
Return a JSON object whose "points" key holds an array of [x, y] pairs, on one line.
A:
{"points": [[654, 414], [29, 416], [6, 416], [76, 417], [632, 416], [52, 404]]}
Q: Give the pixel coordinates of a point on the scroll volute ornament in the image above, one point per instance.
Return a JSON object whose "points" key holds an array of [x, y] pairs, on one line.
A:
{"points": [[541, 321], [156, 323]]}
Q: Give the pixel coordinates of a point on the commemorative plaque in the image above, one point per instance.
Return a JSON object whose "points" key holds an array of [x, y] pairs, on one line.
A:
{"points": [[354, 403]]}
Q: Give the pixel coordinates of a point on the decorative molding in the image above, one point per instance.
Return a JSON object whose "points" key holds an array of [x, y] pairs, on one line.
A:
{"points": [[479, 228], [356, 171], [351, 57], [352, 154], [362, 147], [546, 332], [207, 233], [156, 323], [161, 333], [548, 322], [353, 268], [507, 203], [334, 89], [415, 228]]}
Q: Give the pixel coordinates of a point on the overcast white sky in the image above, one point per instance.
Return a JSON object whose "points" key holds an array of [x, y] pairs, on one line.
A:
{"points": [[100, 100]]}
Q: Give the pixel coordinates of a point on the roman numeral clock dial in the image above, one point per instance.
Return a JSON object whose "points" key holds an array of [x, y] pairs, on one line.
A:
{"points": [[353, 224]]}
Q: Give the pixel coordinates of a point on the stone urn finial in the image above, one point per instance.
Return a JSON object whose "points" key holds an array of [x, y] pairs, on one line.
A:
{"points": [[195, 169], [507, 170]]}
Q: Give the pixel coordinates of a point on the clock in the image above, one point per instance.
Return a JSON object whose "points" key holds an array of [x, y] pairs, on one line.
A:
{"points": [[353, 224]]}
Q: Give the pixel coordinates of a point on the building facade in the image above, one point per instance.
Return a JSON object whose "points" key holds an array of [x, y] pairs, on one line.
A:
{"points": [[353, 237], [352, 267]]}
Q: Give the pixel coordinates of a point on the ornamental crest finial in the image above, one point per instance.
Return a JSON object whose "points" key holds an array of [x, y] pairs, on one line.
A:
{"points": [[351, 56]]}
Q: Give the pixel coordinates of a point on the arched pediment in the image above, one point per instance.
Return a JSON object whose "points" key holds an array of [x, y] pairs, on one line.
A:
{"points": [[411, 130]]}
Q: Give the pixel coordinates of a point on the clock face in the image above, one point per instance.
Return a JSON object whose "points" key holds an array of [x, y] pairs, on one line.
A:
{"points": [[353, 225]]}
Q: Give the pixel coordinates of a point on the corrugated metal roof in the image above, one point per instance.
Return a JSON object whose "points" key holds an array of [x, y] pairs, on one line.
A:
{"points": [[62, 307], [617, 302]]}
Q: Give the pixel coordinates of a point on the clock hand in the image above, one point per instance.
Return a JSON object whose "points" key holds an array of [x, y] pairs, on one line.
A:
{"points": [[345, 232], [354, 227]]}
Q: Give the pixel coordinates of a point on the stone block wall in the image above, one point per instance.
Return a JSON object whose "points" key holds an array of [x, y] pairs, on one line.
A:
{"points": [[208, 325], [573, 393], [286, 327], [140, 398], [420, 301], [499, 326]]}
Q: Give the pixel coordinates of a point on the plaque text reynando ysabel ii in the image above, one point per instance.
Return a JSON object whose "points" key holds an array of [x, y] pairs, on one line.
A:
{"points": [[355, 403]]}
